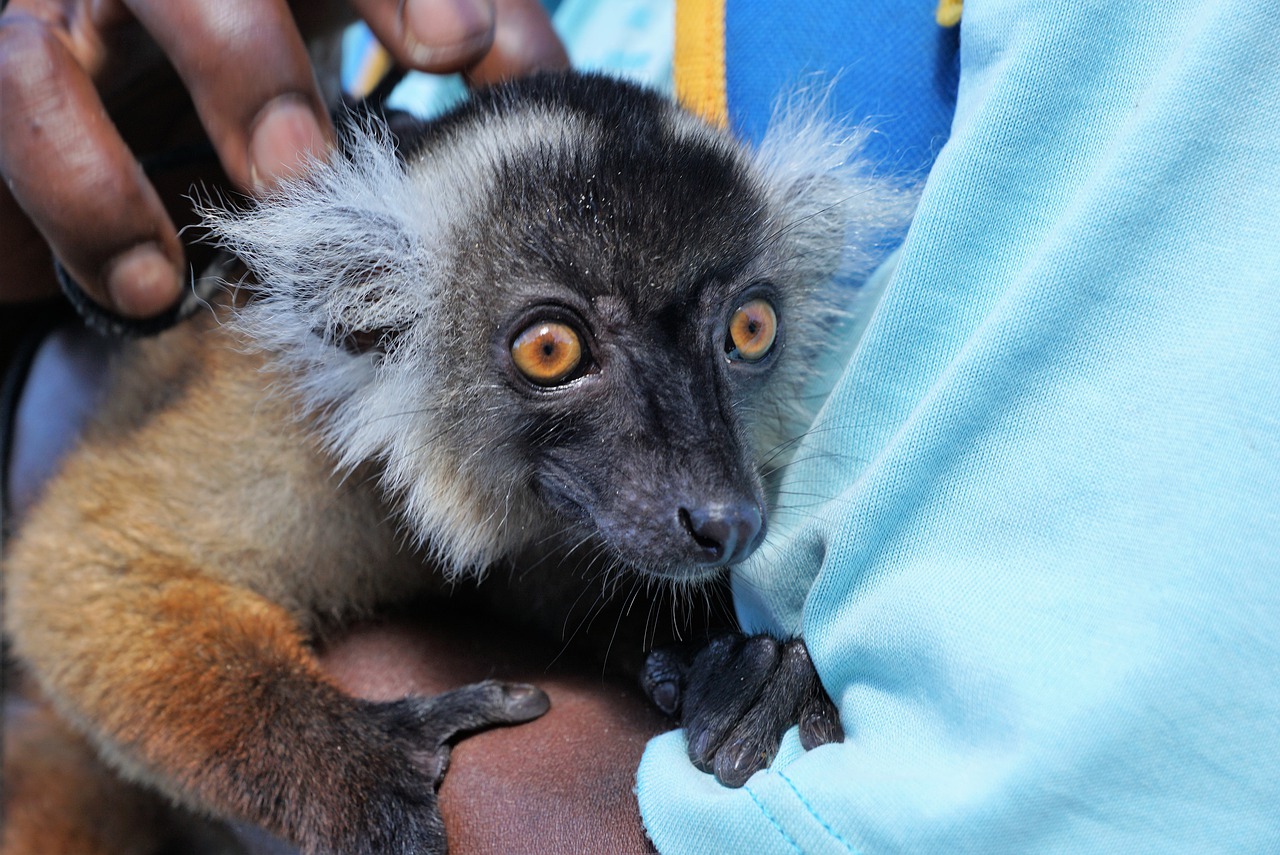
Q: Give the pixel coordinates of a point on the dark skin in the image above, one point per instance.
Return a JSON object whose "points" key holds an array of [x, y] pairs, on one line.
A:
{"points": [[86, 89], [564, 780]]}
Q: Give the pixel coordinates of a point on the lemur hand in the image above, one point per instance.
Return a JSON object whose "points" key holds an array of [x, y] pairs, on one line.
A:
{"points": [[398, 811], [88, 85], [736, 697]]}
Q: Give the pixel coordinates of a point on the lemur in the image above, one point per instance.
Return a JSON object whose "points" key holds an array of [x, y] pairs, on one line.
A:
{"points": [[567, 322]]}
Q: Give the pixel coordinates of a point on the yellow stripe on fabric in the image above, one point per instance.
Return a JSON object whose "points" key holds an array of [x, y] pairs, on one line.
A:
{"points": [[374, 65], [699, 59], [948, 14]]}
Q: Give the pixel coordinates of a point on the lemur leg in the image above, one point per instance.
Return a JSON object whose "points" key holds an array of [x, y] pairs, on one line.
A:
{"points": [[210, 693], [60, 800]]}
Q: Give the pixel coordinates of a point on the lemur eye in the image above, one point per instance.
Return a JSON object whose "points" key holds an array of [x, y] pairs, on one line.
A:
{"points": [[752, 331], [547, 352]]}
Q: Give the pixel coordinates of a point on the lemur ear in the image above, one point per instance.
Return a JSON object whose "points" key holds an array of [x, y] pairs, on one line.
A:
{"points": [[364, 315], [369, 289], [345, 254], [824, 189], [359, 342]]}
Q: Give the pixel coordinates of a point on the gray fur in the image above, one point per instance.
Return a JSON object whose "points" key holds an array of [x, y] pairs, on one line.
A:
{"points": [[414, 255]]}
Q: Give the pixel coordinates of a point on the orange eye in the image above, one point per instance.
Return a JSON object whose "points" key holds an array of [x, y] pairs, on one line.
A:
{"points": [[547, 352], [752, 331]]}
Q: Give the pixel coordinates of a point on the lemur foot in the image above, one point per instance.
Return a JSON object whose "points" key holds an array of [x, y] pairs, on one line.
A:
{"points": [[735, 698]]}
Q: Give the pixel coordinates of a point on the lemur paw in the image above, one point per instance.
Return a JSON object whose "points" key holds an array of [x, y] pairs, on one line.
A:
{"points": [[735, 698], [395, 811]]}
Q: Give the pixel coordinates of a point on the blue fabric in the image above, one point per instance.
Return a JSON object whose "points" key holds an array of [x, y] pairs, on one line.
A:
{"points": [[634, 39], [1044, 587], [895, 66]]}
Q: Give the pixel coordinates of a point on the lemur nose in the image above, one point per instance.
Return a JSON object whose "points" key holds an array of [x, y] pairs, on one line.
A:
{"points": [[724, 533]]}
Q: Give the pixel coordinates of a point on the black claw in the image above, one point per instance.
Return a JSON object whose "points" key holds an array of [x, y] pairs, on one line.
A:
{"points": [[723, 644], [666, 697], [524, 703], [760, 653], [721, 688], [819, 722], [739, 759], [702, 750]]}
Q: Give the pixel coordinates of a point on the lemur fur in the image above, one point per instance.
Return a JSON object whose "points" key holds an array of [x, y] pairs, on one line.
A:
{"points": [[567, 313]]}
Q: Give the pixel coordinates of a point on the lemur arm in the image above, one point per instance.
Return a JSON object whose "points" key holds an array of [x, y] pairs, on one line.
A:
{"points": [[209, 692]]}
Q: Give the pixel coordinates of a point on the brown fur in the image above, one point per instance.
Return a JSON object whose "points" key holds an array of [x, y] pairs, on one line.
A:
{"points": [[165, 588], [59, 798], [165, 591]]}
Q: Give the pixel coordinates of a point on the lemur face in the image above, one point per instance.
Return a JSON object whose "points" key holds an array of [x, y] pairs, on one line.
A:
{"points": [[630, 287], [570, 313], [634, 414]]}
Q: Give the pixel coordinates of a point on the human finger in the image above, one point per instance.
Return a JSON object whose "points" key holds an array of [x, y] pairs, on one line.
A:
{"points": [[489, 39], [438, 36], [250, 78], [523, 42], [75, 178]]}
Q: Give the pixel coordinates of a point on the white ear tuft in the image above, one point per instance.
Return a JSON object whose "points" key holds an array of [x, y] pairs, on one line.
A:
{"points": [[825, 186], [349, 262], [344, 249]]}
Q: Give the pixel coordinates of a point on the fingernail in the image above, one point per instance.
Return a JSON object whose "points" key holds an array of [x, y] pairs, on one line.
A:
{"points": [[818, 727], [437, 33], [286, 139], [141, 281]]}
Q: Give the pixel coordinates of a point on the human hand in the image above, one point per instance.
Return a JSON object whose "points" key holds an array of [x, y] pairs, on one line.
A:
{"points": [[86, 89]]}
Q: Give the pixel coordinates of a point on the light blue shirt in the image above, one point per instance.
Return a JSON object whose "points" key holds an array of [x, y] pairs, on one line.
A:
{"points": [[1040, 571]]}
